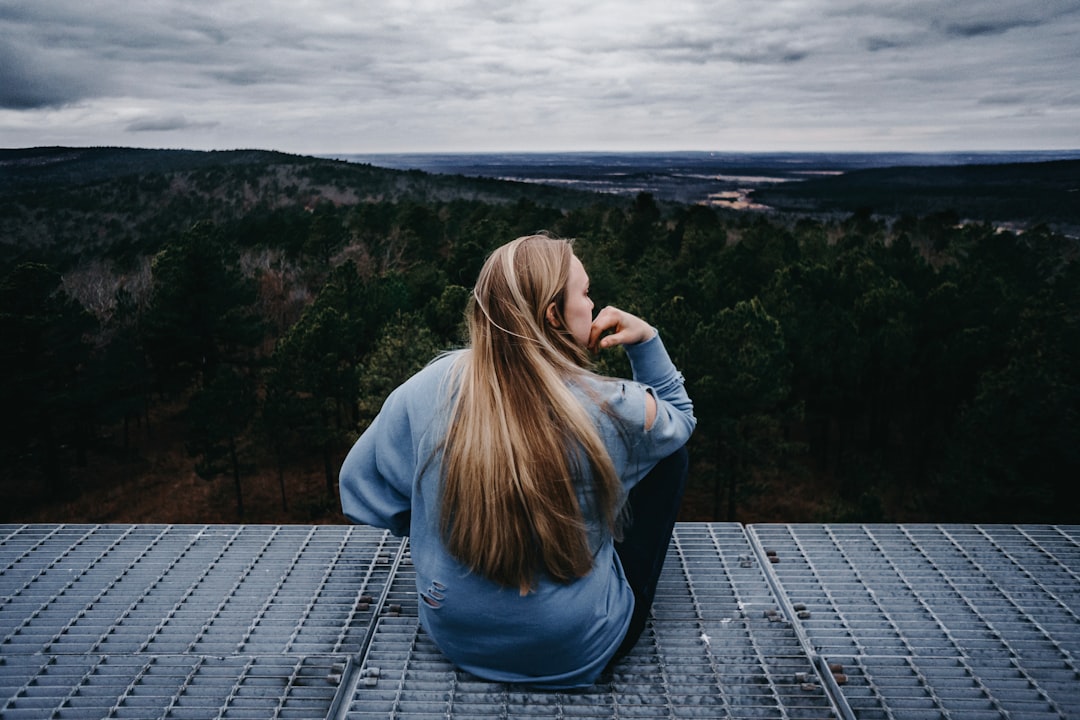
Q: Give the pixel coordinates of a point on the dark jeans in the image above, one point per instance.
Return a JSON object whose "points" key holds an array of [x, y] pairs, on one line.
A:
{"points": [[654, 506]]}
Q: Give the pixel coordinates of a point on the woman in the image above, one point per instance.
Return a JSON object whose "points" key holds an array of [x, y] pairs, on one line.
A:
{"points": [[508, 464]]}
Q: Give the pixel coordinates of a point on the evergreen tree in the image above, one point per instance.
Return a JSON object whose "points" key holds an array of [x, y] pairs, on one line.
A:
{"points": [[219, 415], [122, 370], [405, 345], [43, 365], [740, 378], [200, 312], [312, 374]]}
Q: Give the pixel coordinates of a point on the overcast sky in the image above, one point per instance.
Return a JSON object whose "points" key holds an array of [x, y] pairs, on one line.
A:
{"points": [[338, 76]]}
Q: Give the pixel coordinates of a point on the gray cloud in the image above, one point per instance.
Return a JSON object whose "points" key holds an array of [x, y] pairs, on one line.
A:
{"points": [[166, 124], [337, 76], [975, 28], [31, 79], [877, 44], [242, 76], [1005, 99]]}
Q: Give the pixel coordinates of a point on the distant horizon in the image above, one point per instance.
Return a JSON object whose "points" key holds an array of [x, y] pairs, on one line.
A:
{"points": [[1033, 151], [691, 160], [339, 153]]}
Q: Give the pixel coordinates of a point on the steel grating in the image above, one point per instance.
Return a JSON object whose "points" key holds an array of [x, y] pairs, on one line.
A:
{"points": [[925, 621], [767, 621], [717, 647], [147, 621], [174, 686]]}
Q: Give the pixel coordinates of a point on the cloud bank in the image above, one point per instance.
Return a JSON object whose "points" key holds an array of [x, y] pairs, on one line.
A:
{"points": [[475, 75]]}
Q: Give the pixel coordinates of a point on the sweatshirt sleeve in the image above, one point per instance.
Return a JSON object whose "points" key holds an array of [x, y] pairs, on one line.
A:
{"points": [[635, 449], [377, 475], [652, 367]]}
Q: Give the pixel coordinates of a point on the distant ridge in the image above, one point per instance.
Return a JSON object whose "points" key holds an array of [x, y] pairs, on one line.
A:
{"points": [[65, 167], [1039, 192], [84, 198], [1023, 187], [28, 167], [1007, 186]]}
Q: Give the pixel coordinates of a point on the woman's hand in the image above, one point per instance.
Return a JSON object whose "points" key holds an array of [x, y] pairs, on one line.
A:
{"points": [[626, 329]]}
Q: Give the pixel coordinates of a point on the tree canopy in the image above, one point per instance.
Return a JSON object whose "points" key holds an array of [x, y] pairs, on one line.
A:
{"points": [[891, 367]]}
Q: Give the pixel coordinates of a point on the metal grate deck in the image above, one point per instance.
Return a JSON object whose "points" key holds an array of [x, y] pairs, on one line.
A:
{"points": [[925, 621], [767, 621], [144, 621], [717, 647]]}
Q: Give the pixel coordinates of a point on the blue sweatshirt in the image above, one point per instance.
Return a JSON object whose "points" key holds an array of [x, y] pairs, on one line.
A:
{"points": [[560, 635]]}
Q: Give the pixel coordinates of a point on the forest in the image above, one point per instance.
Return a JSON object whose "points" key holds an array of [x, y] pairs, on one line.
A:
{"points": [[197, 337]]}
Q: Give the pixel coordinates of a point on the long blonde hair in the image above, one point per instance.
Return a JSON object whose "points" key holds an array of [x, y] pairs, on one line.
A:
{"points": [[519, 439]]}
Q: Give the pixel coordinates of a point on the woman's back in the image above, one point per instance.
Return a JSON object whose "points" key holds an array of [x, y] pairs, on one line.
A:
{"points": [[559, 634], [507, 463], [519, 442]]}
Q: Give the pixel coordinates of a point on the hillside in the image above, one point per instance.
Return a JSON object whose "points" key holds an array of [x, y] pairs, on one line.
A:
{"points": [[58, 167], [1022, 193], [78, 201]]}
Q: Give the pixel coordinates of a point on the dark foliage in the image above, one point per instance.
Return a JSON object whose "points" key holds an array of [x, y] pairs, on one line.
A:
{"points": [[1044, 192], [912, 367]]}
